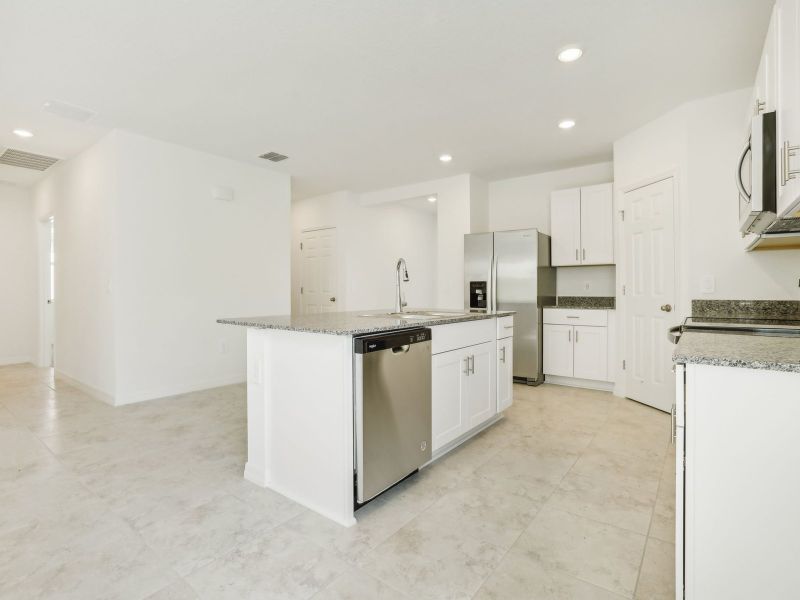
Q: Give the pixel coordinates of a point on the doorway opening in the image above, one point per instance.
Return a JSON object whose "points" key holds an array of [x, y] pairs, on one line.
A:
{"points": [[47, 247]]}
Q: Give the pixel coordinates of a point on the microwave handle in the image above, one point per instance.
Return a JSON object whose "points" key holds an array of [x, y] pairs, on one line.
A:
{"points": [[739, 164]]}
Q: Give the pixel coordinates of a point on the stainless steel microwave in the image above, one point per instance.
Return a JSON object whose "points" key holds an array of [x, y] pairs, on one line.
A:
{"points": [[756, 176]]}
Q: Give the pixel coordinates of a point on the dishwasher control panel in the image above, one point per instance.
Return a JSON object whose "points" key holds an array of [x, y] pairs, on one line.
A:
{"points": [[393, 339]]}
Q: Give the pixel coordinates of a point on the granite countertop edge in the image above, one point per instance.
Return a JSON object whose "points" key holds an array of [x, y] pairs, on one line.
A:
{"points": [[755, 352], [362, 327]]}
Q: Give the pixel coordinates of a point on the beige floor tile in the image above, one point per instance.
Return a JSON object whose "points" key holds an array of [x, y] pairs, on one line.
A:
{"points": [[529, 462], [279, 564], [601, 554], [521, 575], [179, 590], [663, 523], [192, 539], [357, 585], [657, 579], [628, 508], [628, 469], [430, 559]]}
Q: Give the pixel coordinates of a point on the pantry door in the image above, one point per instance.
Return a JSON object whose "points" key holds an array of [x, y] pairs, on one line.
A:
{"points": [[649, 234], [319, 277]]}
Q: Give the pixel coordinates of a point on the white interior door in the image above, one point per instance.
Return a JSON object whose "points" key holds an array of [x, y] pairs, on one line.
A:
{"points": [[50, 289], [650, 293], [319, 271]]}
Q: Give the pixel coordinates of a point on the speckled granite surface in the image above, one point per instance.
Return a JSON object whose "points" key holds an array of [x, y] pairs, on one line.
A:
{"points": [[590, 302], [755, 309], [355, 323], [734, 350]]}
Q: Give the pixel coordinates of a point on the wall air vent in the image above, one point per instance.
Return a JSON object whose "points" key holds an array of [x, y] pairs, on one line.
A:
{"points": [[273, 156], [26, 160]]}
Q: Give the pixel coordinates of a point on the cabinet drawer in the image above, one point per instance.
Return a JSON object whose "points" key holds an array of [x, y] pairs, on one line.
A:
{"points": [[460, 335], [505, 327], [566, 316]]}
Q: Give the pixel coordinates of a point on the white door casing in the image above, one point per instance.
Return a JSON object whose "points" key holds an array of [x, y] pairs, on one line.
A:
{"points": [[649, 242], [318, 292]]}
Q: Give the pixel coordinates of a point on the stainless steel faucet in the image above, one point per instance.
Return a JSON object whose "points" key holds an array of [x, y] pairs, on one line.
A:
{"points": [[400, 301]]}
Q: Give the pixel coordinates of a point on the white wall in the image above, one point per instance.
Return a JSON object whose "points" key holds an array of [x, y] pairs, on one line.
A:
{"points": [[18, 279], [586, 281], [147, 260], [370, 239], [185, 259], [80, 193]]}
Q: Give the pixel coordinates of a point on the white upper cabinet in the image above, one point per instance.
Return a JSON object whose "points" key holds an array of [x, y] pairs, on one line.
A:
{"points": [[787, 41], [765, 91], [581, 226], [565, 227], [597, 225]]}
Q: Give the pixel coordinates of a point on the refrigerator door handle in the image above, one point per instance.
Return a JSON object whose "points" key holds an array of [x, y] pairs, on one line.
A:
{"points": [[494, 283]]}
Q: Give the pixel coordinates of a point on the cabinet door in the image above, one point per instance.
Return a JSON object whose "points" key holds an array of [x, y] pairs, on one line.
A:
{"points": [[557, 350], [505, 373], [447, 375], [565, 227], [590, 352], [787, 27], [480, 392], [597, 225]]}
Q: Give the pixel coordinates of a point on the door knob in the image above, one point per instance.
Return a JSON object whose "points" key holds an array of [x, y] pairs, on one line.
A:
{"points": [[333, 298], [666, 307]]}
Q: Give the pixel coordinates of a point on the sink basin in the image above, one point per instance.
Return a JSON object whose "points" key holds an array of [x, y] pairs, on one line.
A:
{"points": [[420, 314]]}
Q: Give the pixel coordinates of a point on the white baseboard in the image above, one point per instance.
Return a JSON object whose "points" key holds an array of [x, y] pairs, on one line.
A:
{"points": [[603, 386], [255, 474], [15, 360], [86, 388], [461, 439], [174, 390]]}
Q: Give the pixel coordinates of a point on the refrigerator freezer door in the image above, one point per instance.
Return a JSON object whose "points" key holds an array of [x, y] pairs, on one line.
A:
{"points": [[478, 248], [516, 288]]}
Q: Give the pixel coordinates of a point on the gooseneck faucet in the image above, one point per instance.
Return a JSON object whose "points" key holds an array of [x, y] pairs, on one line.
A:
{"points": [[400, 301]]}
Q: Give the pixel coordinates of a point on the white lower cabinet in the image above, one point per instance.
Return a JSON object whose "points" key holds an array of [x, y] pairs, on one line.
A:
{"points": [[557, 354], [505, 373], [590, 345], [464, 391], [575, 344]]}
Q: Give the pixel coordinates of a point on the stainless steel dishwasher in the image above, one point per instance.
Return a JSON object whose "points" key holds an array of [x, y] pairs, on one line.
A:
{"points": [[392, 408]]}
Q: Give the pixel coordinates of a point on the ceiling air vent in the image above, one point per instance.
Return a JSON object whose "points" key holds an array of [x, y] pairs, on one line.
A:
{"points": [[68, 111], [26, 160], [273, 156]]}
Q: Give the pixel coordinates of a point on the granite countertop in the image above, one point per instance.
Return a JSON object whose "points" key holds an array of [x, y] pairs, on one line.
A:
{"points": [[736, 350], [357, 322], [584, 302]]}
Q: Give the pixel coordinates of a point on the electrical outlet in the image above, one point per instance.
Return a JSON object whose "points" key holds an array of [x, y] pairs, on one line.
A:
{"points": [[223, 347], [586, 286], [708, 284]]}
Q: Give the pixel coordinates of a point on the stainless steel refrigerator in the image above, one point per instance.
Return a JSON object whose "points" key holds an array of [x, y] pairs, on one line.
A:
{"points": [[510, 270]]}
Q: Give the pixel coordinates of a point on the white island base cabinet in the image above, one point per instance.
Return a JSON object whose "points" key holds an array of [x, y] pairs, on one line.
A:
{"points": [[738, 500], [471, 379]]}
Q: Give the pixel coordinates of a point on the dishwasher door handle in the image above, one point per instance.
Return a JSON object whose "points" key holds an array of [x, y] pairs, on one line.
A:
{"points": [[401, 349]]}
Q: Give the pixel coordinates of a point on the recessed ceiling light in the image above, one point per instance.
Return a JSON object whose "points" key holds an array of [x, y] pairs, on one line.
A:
{"points": [[445, 158], [431, 198], [566, 124], [570, 54], [23, 133]]}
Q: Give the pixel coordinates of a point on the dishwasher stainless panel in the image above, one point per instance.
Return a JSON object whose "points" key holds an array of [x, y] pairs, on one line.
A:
{"points": [[392, 408]]}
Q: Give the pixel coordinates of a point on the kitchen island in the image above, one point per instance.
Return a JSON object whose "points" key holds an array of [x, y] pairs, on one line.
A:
{"points": [[301, 386]]}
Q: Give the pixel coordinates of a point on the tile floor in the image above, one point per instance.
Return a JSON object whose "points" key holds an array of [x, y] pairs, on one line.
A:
{"points": [[570, 496]]}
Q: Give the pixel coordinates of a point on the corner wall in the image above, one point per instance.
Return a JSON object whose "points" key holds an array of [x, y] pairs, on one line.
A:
{"points": [[18, 284]]}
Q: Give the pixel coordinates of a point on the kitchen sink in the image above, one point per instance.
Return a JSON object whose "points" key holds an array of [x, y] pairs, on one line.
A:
{"points": [[420, 314]]}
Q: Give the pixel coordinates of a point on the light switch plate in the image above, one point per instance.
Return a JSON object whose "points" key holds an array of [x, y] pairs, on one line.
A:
{"points": [[708, 284]]}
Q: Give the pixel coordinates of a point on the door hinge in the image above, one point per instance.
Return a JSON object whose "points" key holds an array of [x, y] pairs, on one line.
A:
{"points": [[301, 245], [623, 289], [301, 289], [622, 214], [623, 365]]}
